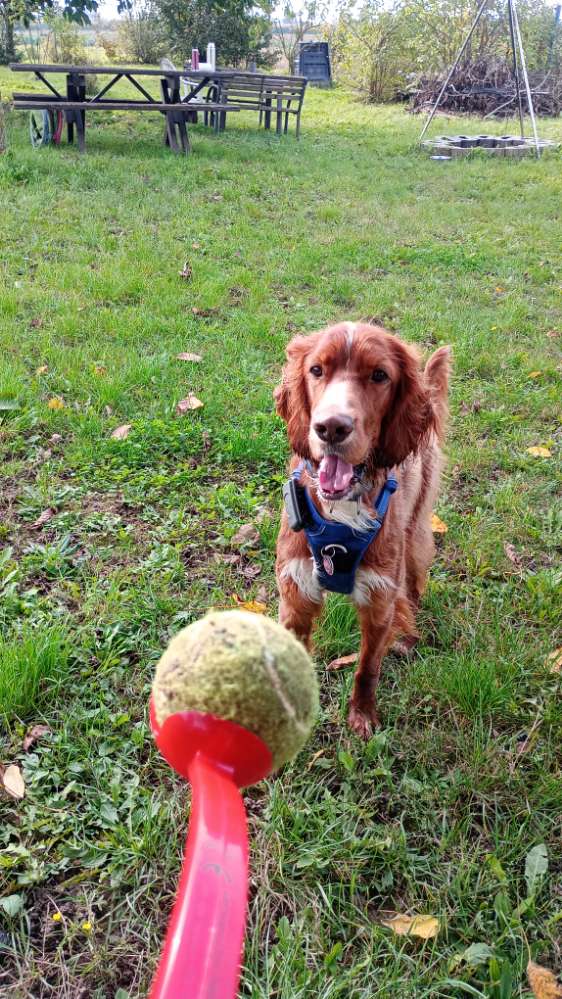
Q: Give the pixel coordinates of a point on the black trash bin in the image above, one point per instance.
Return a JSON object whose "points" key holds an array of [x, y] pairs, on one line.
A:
{"points": [[314, 63]]}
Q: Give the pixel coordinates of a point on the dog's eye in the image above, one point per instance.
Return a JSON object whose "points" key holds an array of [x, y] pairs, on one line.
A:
{"points": [[316, 370], [379, 375]]}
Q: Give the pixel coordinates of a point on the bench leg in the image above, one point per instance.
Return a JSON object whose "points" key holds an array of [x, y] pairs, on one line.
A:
{"points": [[184, 136], [171, 133], [81, 131], [69, 127]]}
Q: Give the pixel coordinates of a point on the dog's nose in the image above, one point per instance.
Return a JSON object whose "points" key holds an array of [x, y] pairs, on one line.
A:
{"points": [[335, 429]]}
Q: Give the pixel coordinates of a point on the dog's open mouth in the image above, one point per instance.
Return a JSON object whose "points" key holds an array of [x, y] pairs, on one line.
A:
{"points": [[335, 477]]}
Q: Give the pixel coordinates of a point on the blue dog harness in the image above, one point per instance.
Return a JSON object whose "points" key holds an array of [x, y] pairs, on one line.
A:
{"points": [[336, 548]]}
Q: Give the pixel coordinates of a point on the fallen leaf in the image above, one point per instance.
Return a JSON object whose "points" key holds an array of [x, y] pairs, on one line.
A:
{"points": [[473, 956], [554, 661], [512, 554], [13, 782], [189, 357], [262, 595], [55, 438], [42, 370], [437, 525], [425, 927], [543, 982], [247, 534], [35, 733], [553, 334], [536, 866], [206, 438], [186, 272], [196, 246], [534, 374], [100, 369], [36, 323], [539, 452], [185, 405], [255, 606], [43, 518], [107, 411], [121, 433], [499, 289], [343, 661], [55, 403]]}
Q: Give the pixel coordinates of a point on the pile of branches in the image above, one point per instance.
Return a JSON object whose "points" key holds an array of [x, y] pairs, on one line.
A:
{"points": [[487, 87]]}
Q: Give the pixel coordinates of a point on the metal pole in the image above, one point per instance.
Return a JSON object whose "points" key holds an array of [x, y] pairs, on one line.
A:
{"points": [[455, 64], [516, 68], [526, 78]]}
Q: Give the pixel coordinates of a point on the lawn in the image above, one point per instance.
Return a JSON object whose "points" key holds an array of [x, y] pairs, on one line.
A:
{"points": [[451, 809]]}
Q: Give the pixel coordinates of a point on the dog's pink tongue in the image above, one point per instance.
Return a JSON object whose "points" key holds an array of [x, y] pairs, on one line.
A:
{"points": [[334, 474]]}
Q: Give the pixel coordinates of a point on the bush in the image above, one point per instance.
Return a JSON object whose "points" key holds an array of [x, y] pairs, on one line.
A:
{"points": [[141, 34]]}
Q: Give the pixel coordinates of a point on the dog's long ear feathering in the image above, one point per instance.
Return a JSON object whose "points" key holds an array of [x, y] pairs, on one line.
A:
{"points": [[291, 399], [411, 416]]}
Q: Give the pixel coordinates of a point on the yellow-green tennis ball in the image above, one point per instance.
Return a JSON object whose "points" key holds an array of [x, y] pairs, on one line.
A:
{"points": [[244, 668]]}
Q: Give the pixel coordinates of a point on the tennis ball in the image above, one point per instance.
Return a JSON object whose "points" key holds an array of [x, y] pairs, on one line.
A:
{"points": [[244, 668]]}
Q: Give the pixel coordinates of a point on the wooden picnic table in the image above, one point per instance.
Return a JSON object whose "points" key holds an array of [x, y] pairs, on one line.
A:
{"points": [[73, 102]]}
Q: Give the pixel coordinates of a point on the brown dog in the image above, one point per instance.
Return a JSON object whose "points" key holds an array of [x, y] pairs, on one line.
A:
{"points": [[357, 403]]}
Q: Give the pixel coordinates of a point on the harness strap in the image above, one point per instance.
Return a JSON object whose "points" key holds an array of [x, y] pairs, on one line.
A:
{"points": [[337, 549]]}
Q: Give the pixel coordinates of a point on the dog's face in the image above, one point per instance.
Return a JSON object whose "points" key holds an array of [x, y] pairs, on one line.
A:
{"points": [[352, 395]]}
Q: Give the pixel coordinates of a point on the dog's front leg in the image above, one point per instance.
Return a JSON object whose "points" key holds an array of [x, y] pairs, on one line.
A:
{"points": [[376, 635]]}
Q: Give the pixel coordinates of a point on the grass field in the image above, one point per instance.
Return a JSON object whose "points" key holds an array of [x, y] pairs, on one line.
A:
{"points": [[452, 807]]}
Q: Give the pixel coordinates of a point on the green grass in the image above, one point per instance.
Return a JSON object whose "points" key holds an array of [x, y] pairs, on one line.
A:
{"points": [[438, 813]]}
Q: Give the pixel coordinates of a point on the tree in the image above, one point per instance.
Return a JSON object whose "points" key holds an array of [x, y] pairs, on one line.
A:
{"points": [[141, 33], [26, 11], [290, 31], [231, 24], [368, 51]]}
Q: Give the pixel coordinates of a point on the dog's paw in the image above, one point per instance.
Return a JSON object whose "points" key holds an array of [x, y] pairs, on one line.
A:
{"points": [[362, 721]]}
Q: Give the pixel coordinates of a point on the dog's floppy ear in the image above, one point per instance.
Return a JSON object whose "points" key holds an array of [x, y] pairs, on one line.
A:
{"points": [[410, 418], [291, 399]]}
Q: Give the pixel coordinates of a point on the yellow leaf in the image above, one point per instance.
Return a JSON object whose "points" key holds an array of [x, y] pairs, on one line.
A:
{"points": [[535, 374], [554, 661], [42, 370], [100, 369], [55, 403], [13, 782], [539, 452], [254, 606], [437, 525], [543, 982], [492, 328], [499, 289], [425, 927]]}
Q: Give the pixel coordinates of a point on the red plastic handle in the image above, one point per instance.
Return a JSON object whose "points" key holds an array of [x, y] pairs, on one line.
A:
{"points": [[201, 957]]}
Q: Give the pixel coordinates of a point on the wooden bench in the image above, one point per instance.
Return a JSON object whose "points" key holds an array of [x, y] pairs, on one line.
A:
{"points": [[268, 95]]}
